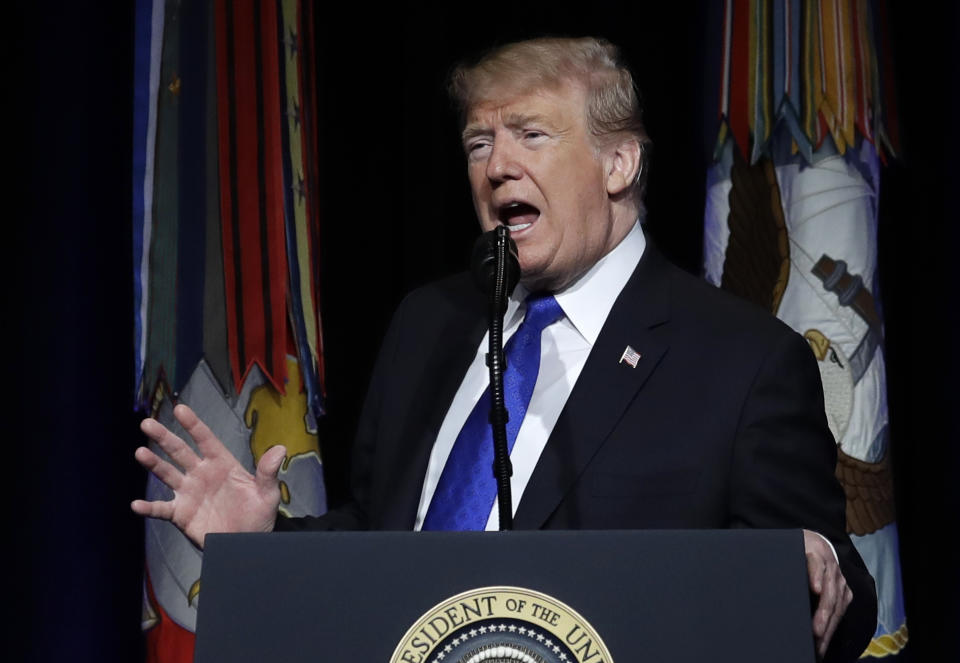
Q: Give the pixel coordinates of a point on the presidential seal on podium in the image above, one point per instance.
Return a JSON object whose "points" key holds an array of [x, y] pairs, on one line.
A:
{"points": [[500, 625]]}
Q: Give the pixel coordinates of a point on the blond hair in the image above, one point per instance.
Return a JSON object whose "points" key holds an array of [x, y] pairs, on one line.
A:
{"points": [[613, 101]]}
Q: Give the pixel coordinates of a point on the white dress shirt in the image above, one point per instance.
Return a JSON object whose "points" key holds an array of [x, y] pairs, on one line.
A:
{"points": [[564, 348]]}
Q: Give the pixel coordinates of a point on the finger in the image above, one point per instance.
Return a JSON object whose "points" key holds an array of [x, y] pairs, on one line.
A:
{"points": [[815, 570], [160, 468], [828, 603], [172, 445], [208, 443], [839, 608], [269, 467], [163, 510], [824, 641], [829, 609]]}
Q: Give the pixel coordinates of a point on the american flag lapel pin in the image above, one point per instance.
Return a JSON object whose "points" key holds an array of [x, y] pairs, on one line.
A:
{"points": [[630, 356]]}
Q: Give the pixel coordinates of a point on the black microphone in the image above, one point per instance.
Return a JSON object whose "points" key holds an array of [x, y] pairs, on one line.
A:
{"points": [[483, 264], [496, 271]]}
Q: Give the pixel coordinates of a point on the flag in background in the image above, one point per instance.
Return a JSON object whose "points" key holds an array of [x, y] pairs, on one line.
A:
{"points": [[225, 253], [791, 224]]}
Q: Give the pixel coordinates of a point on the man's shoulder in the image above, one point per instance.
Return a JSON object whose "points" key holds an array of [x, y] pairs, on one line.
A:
{"points": [[450, 305], [710, 312], [453, 293]]}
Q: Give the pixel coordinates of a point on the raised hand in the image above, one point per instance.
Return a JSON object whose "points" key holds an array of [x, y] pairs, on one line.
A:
{"points": [[828, 583], [213, 492]]}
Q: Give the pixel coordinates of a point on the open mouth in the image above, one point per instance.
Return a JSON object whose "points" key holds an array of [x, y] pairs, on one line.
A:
{"points": [[518, 216]]}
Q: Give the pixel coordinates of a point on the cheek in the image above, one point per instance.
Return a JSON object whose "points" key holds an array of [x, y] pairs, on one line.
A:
{"points": [[476, 177], [481, 199]]}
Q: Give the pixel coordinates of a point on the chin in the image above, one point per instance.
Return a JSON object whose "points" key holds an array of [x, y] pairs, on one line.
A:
{"points": [[538, 282]]}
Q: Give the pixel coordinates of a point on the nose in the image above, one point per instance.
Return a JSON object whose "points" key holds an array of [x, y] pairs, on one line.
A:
{"points": [[503, 165]]}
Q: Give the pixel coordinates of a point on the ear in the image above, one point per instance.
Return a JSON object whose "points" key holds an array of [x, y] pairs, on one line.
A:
{"points": [[623, 165]]}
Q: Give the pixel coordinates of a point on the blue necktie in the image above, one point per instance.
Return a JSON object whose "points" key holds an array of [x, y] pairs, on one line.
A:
{"points": [[467, 488]]}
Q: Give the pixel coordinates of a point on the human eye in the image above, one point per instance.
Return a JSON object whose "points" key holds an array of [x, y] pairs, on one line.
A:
{"points": [[534, 135], [478, 147]]}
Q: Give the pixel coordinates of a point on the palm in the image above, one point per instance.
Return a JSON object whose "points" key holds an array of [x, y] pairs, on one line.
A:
{"points": [[221, 496], [214, 492]]}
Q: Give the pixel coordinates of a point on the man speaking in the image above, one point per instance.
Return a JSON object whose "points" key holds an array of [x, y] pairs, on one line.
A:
{"points": [[640, 397]]}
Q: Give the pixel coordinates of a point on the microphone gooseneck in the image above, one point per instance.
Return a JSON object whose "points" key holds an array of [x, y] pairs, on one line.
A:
{"points": [[496, 271]]}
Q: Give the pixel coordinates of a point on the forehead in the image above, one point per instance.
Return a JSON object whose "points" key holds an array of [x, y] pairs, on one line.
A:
{"points": [[560, 106]]}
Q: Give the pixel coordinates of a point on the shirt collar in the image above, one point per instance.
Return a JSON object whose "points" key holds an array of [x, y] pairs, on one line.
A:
{"points": [[587, 302]]}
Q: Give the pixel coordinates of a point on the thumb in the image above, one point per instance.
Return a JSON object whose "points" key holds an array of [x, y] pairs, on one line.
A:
{"points": [[269, 466]]}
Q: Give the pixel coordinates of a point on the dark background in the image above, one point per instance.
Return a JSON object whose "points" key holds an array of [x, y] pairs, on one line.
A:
{"points": [[396, 213]]}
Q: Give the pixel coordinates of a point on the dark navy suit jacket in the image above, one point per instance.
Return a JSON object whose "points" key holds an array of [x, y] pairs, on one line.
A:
{"points": [[721, 424]]}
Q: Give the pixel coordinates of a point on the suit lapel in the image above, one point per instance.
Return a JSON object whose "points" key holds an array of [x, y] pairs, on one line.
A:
{"points": [[442, 373], [604, 390]]}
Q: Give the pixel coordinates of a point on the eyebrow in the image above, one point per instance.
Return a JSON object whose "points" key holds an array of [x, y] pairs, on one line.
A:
{"points": [[512, 121], [473, 131]]}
